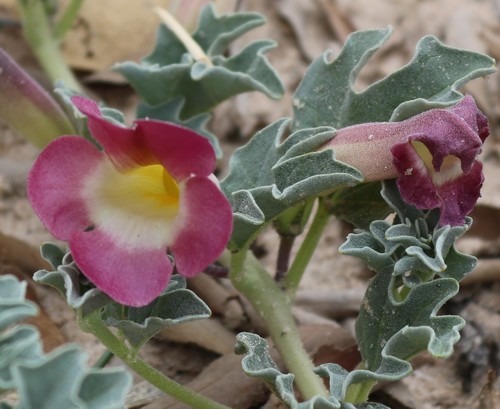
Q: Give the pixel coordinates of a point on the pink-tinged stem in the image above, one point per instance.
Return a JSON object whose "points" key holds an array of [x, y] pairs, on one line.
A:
{"points": [[27, 107]]}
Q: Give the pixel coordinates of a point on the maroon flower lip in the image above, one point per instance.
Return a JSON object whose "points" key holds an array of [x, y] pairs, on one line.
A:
{"points": [[433, 155], [149, 191]]}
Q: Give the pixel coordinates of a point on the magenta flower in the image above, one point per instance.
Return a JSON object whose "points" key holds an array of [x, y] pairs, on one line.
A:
{"points": [[433, 155], [151, 191]]}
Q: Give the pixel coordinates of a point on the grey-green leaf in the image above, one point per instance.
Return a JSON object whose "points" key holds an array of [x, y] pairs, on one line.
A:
{"points": [[104, 389], [13, 306], [169, 72], [432, 79], [399, 315], [215, 33], [267, 176], [62, 381], [174, 306], [258, 363], [59, 380], [21, 344], [69, 281]]}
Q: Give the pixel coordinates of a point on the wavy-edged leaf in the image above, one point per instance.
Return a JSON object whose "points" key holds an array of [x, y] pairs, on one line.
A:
{"points": [[404, 329], [69, 281], [418, 269], [104, 389], [174, 306], [267, 176], [258, 363], [431, 79], [13, 305], [215, 33], [169, 72], [18, 343], [61, 380], [21, 344]]}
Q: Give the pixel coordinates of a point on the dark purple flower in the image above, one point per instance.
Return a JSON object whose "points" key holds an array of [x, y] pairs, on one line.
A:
{"points": [[433, 155]]}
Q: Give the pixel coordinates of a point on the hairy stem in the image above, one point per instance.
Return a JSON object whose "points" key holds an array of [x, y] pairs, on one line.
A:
{"points": [[96, 326], [67, 19], [38, 33], [253, 281]]}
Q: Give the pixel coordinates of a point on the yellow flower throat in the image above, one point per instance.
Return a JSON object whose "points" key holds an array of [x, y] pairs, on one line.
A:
{"points": [[148, 190]]}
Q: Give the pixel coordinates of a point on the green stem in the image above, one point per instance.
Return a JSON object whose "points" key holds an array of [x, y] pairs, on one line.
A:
{"points": [[38, 33], [66, 21], [283, 261], [306, 250], [104, 359], [253, 281], [96, 326]]}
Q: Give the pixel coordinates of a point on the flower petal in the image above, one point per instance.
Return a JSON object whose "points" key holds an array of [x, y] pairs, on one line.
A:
{"points": [[207, 225], [415, 183], [55, 184], [455, 197], [180, 150], [132, 277], [119, 142], [477, 121], [444, 134], [129, 208], [458, 197]]}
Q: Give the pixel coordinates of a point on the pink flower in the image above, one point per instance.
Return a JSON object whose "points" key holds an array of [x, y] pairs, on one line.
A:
{"points": [[151, 191], [433, 155]]}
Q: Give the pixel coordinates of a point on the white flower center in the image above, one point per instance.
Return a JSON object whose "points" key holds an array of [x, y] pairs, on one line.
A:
{"points": [[450, 169], [138, 208]]}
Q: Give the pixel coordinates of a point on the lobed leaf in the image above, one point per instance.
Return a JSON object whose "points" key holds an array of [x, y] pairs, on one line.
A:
{"points": [[21, 344], [13, 305], [69, 281], [170, 73], [417, 268], [59, 380], [268, 176], [417, 271], [259, 364], [174, 306], [326, 96]]}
